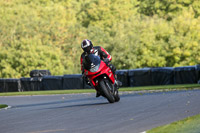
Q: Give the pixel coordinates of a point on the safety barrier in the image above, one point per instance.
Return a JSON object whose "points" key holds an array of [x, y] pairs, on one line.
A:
{"points": [[10, 85], [162, 76], [140, 77], [185, 75], [52, 83], [72, 82], [129, 78], [31, 84]]}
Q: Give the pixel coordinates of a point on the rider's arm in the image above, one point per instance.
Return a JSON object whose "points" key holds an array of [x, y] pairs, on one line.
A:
{"points": [[105, 54], [83, 76]]}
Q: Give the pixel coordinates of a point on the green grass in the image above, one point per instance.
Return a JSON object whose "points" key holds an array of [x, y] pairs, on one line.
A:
{"points": [[163, 87], [187, 125], [52, 92], [3, 106]]}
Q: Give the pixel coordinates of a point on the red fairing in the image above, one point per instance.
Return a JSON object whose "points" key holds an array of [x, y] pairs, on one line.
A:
{"points": [[103, 69]]}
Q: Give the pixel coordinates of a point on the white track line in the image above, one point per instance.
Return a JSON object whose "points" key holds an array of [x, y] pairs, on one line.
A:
{"points": [[8, 107]]}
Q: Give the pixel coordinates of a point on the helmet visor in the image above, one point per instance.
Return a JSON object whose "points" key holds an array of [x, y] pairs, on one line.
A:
{"points": [[87, 49]]}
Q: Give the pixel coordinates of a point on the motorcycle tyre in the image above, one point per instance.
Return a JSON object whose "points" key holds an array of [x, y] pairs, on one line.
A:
{"points": [[116, 96], [115, 93], [106, 91]]}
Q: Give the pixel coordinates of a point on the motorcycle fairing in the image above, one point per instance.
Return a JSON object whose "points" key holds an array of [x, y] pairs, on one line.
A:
{"points": [[103, 70]]}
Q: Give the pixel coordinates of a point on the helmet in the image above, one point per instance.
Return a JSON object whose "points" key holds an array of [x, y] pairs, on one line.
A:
{"points": [[86, 45]]}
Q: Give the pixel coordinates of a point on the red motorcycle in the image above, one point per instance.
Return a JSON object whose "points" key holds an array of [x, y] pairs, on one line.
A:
{"points": [[101, 77]]}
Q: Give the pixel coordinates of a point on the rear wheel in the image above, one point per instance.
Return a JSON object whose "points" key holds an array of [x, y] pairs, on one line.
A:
{"points": [[107, 92]]}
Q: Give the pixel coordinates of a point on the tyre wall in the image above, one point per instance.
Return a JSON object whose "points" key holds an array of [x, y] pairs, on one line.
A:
{"points": [[42, 80]]}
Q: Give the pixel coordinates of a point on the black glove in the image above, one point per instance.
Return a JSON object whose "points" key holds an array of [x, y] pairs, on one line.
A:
{"points": [[86, 79], [87, 82], [106, 60]]}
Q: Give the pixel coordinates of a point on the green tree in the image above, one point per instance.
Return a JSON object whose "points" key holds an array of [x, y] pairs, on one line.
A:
{"points": [[184, 44], [46, 34], [164, 8], [24, 56], [105, 13]]}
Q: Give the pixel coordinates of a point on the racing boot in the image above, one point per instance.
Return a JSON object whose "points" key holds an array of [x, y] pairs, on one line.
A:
{"points": [[98, 94], [119, 83]]}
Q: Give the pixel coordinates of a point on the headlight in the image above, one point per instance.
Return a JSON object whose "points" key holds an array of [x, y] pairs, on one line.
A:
{"points": [[95, 68]]}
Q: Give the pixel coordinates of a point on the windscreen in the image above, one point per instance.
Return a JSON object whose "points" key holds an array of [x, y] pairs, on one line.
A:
{"points": [[91, 62]]}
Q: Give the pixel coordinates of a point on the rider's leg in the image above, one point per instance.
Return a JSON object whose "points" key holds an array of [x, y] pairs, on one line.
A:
{"points": [[113, 69]]}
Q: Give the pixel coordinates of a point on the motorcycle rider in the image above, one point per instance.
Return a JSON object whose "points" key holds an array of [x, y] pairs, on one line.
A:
{"points": [[88, 48]]}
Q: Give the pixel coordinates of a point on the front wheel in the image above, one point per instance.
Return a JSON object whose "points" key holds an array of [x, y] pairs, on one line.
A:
{"points": [[116, 96], [107, 92]]}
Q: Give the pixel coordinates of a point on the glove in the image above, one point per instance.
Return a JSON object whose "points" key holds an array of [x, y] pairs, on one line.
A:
{"points": [[106, 60], [85, 79]]}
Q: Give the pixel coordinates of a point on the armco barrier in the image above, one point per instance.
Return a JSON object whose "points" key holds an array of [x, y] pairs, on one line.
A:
{"points": [[162, 76], [31, 84], [122, 75], [185, 75], [72, 82], [52, 83], [10, 85], [140, 77]]}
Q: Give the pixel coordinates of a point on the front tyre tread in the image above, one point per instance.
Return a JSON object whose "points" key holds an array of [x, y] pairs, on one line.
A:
{"points": [[107, 92]]}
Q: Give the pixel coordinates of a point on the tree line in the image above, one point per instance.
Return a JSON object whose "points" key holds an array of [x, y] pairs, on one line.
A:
{"points": [[46, 34]]}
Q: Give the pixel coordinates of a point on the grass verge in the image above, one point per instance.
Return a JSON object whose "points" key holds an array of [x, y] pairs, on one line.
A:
{"points": [[163, 87], [52, 92], [3, 106], [187, 125]]}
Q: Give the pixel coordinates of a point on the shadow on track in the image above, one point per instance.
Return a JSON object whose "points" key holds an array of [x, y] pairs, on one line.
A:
{"points": [[52, 103], [79, 105], [135, 94]]}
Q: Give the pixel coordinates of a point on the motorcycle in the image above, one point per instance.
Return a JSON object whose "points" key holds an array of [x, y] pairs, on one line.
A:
{"points": [[101, 77]]}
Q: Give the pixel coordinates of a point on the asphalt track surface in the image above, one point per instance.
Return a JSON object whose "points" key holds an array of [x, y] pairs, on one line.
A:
{"points": [[83, 113]]}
